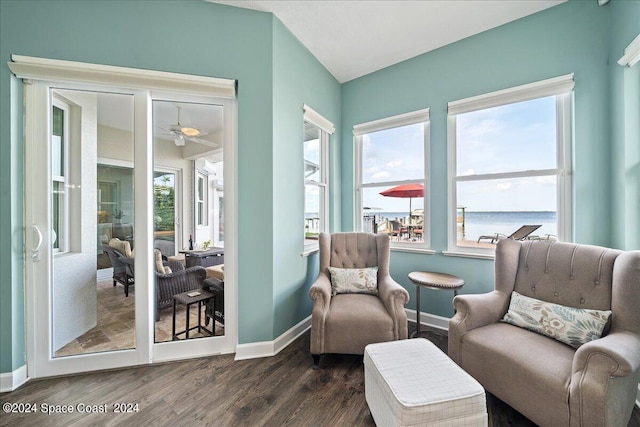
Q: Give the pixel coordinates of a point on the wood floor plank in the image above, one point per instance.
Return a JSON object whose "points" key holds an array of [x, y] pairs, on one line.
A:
{"points": [[217, 391]]}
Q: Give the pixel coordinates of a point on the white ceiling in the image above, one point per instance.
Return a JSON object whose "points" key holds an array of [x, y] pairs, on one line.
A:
{"points": [[116, 111], [357, 37]]}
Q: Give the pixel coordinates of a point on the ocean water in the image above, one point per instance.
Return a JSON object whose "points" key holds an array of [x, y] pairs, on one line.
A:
{"points": [[487, 223], [478, 224]]}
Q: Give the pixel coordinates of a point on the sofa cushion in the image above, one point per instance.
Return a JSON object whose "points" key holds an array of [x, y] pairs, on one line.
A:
{"points": [[160, 267], [570, 325], [354, 280], [525, 369], [355, 320]]}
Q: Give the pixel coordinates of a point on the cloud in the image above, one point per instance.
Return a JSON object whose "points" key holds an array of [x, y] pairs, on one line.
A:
{"points": [[371, 170], [504, 186], [394, 164], [381, 175], [546, 180]]}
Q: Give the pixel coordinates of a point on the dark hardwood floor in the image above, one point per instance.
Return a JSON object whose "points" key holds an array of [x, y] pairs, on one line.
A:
{"points": [[276, 391]]}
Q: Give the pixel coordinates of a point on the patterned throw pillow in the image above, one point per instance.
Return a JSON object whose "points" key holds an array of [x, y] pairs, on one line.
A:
{"points": [[354, 280], [570, 325]]}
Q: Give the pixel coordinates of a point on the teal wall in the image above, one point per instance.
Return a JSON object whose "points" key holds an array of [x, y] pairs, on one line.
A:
{"points": [[298, 78], [625, 128], [570, 38], [276, 76], [192, 37]]}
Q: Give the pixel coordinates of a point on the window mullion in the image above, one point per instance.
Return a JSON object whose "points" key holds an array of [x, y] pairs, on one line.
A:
{"points": [[520, 174], [392, 183]]}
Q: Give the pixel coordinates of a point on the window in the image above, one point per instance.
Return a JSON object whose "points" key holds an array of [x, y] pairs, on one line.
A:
{"points": [[316, 133], [509, 164], [201, 200], [59, 170], [392, 178]]}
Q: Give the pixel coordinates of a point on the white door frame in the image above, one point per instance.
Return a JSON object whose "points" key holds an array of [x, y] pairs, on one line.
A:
{"points": [[38, 257]]}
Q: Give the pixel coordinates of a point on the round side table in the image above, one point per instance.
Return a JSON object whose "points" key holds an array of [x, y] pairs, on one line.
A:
{"points": [[437, 281]]}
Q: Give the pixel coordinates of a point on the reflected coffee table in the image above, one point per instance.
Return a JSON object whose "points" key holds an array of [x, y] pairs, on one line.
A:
{"points": [[203, 257], [431, 280]]}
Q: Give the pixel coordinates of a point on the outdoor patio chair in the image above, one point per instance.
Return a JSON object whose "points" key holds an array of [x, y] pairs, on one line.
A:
{"points": [[177, 281], [520, 234], [397, 230], [214, 307], [121, 274]]}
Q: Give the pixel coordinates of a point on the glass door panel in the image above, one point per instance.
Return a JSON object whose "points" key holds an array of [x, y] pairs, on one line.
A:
{"points": [[188, 191], [91, 222]]}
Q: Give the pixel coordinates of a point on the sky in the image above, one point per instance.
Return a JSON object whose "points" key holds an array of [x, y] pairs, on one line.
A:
{"points": [[510, 138]]}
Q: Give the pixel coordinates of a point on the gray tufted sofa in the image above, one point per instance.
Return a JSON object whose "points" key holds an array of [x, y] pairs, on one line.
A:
{"points": [[551, 383], [346, 323]]}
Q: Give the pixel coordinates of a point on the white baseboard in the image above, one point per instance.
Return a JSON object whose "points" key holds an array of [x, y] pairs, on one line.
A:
{"points": [[104, 274], [271, 348], [12, 380], [428, 319]]}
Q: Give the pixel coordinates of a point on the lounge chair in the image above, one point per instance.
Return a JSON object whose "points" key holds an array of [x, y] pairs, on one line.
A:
{"points": [[520, 234]]}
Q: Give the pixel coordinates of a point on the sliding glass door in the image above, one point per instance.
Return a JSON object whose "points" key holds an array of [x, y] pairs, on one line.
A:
{"points": [[112, 202]]}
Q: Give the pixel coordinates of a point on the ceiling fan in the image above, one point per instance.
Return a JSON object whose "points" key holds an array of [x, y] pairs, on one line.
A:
{"points": [[181, 133]]}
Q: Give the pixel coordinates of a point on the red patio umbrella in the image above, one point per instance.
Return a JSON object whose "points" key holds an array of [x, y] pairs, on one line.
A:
{"points": [[405, 191]]}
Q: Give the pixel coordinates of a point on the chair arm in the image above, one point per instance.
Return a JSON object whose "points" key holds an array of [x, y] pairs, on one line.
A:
{"points": [[320, 293], [129, 264], [604, 380], [620, 349], [394, 297], [213, 284], [473, 311], [174, 265]]}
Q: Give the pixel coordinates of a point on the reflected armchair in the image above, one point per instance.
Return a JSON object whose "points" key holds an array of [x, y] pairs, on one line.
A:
{"points": [[121, 274], [177, 281], [346, 323]]}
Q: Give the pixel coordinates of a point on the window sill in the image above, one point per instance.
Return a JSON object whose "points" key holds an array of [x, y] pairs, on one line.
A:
{"points": [[309, 251], [413, 250], [469, 255]]}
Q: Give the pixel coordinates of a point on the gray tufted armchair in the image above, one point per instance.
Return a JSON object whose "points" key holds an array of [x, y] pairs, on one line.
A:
{"points": [[346, 323], [548, 381]]}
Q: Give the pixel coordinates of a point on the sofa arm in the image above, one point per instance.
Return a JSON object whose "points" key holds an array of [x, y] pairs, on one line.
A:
{"points": [[620, 350], [604, 380], [473, 311], [395, 297], [320, 293]]}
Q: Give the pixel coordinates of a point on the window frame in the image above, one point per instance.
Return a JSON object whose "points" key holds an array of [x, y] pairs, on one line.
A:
{"points": [[560, 87], [325, 130], [202, 202], [63, 235], [397, 121]]}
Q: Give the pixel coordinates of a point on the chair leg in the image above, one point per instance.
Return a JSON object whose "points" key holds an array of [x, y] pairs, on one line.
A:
{"points": [[114, 283], [126, 290], [316, 361]]}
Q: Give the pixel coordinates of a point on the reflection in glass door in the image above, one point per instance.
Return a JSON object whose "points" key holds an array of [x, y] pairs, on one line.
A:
{"points": [[92, 223], [188, 222], [85, 146]]}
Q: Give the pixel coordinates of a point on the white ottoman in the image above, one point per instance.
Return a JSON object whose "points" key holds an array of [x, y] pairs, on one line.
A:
{"points": [[413, 383]]}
